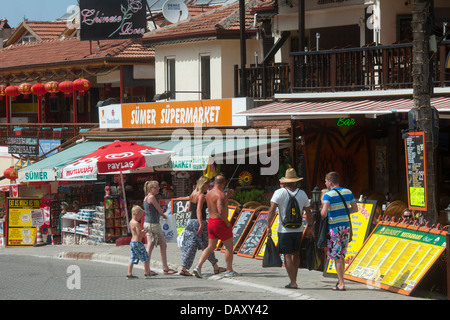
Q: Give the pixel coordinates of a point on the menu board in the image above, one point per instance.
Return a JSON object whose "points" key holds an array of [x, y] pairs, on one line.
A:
{"points": [[20, 231], [274, 228], [251, 244], [361, 223], [179, 207], [396, 256], [416, 170], [240, 227]]}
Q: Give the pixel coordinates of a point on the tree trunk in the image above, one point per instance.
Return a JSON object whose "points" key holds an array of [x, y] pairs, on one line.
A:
{"points": [[423, 89]]}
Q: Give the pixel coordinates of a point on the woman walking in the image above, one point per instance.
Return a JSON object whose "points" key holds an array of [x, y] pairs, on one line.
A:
{"points": [[196, 231]]}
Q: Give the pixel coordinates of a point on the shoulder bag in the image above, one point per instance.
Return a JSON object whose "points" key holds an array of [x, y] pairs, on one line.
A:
{"points": [[350, 234]]}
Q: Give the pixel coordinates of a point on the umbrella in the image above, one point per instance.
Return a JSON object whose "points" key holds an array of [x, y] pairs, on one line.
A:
{"points": [[117, 157]]}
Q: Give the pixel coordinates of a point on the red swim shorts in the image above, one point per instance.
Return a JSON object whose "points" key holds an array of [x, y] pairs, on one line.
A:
{"points": [[217, 229]]}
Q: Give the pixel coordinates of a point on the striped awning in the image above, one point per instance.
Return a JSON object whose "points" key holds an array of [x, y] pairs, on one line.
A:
{"points": [[332, 108]]}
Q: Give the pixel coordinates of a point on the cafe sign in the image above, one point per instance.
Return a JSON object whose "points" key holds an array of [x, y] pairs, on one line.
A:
{"points": [[112, 19], [23, 145]]}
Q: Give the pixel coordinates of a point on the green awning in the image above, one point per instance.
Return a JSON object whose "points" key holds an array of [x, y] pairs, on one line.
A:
{"points": [[190, 155]]}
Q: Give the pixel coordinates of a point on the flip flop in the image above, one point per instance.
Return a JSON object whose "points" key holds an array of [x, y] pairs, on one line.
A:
{"points": [[336, 288], [185, 273], [169, 271], [153, 273], [288, 286], [220, 270]]}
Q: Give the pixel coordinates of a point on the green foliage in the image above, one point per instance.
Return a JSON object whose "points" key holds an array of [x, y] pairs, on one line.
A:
{"points": [[248, 195]]}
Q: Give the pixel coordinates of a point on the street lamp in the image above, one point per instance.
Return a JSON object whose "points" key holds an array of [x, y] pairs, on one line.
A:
{"points": [[447, 211], [316, 193]]}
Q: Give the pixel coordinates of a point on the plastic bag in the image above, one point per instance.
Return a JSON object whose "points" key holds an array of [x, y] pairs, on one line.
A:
{"points": [[169, 228], [312, 255], [271, 256], [180, 239]]}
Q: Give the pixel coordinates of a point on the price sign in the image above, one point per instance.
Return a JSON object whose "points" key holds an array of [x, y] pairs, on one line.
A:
{"points": [[415, 153]]}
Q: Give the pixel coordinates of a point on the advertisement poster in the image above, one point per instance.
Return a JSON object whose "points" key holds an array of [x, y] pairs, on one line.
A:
{"points": [[396, 256], [416, 171], [20, 230], [361, 223]]}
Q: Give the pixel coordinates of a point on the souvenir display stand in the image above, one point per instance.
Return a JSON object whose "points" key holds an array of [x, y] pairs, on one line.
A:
{"points": [[115, 220]]}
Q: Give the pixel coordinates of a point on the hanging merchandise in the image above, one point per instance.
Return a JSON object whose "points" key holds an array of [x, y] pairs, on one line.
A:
{"points": [[245, 178], [211, 171]]}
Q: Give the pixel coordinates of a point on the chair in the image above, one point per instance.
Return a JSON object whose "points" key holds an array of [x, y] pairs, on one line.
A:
{"points": [[232, 202], [395, 209], [251, 205], [262, 208]]}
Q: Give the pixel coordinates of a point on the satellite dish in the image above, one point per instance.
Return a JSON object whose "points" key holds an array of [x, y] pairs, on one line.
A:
{"points": [[175, 11]]}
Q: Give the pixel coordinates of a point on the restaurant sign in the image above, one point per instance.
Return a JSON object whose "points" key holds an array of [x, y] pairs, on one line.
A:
{"points": [[23, 145], [112, 19]]}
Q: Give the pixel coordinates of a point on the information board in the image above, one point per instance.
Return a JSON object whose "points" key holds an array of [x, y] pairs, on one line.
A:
{"points": [[255, 236], [416, 171], [274, 228], [396, 256], [361, 223], [20, 231], [179, 207], [241, 226]]}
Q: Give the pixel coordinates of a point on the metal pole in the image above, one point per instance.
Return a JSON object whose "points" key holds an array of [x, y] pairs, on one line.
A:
{"points": [[243, 48]]}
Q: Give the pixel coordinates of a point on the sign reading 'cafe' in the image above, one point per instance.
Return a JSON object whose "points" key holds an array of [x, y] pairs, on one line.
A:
{"points": [[112, 19]]}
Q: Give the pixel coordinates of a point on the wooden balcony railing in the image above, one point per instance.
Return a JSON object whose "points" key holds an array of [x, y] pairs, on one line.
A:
{"points": [[350, 69]]}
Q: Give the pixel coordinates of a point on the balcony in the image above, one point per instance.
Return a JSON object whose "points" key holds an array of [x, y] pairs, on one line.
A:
{"points": [[382, 67]]}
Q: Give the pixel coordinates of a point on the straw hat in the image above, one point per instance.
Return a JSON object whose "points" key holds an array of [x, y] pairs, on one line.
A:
{"points": [[291, 176]]}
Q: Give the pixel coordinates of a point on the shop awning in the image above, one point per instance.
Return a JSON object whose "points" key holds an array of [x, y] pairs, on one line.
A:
{"points": [[191, 155], [336, 108]]}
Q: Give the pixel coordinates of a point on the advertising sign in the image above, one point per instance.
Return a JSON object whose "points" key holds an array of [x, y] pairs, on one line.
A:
{"points": [[361, 223], [19, 221], [112, 19], [416, 171], [23, 145], [205, 113], [396, 256]]}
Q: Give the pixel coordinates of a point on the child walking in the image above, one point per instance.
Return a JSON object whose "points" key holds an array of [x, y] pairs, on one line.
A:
{"points": [[138, 250]]}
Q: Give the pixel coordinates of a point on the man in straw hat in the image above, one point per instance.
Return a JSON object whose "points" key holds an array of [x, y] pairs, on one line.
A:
{"points": [[289, 240]]}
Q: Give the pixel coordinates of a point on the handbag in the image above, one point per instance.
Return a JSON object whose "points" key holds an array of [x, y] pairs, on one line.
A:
{"points": [[271, 256], [312, 255], [324, 234]]}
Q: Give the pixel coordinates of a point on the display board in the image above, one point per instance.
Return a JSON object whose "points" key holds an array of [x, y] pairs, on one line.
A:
{"points": [[179, 207], [274, 228], [396, 256], [255, 236], [416, 171], [241, 227], [20, 231], [361, 223]]}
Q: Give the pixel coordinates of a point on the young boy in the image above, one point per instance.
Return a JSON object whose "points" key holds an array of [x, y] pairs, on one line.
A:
{"points": [[138, 251]]}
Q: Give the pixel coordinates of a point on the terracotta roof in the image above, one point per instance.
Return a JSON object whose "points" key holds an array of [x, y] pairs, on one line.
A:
{"points": [[220, 20], [47, 30], [71, 51]]}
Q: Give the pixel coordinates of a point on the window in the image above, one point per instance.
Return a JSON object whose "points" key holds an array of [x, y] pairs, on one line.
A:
{"points": [[170, 76], [205, 76]]}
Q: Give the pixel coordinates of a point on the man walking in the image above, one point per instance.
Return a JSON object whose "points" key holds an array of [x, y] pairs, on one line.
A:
{"points": [[339, 224], [289, 239]]}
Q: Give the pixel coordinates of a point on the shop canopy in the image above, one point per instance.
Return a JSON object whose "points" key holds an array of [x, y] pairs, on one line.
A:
{"points": [[189, 155], [336, 107]]}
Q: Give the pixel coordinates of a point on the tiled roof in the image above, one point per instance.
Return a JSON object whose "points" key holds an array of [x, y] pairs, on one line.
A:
{"points": [[71, 50], [220, 20], [47, 30]]}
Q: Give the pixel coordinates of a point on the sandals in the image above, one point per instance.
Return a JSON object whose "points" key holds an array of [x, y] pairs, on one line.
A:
{"points": [[169, 271], [288, 286], [185, 273], [219, 270]]}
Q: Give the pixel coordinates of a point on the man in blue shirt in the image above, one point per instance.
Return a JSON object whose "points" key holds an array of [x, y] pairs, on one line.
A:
{"points": [[334, 209]]}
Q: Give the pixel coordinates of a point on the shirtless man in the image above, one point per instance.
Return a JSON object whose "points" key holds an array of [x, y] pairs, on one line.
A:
{"points": [[219, 228], [138, 251]]}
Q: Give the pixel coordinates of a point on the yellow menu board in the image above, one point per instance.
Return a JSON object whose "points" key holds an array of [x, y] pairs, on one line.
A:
{"points": [[20, 231], [361, 223], [396, 256], [274, 228]]}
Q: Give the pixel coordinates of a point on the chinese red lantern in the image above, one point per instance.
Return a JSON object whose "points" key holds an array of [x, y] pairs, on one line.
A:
{"points": [[12, 91], [10, 173], [2, 91], [39, 90], [25, 89], [81, 85], [52, 87], [66, 87]]}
